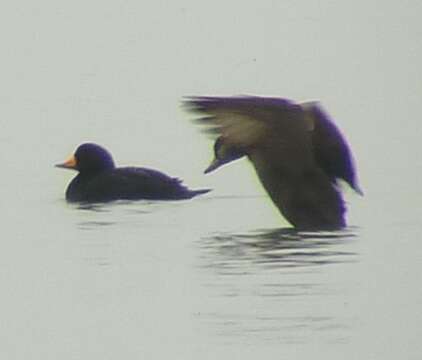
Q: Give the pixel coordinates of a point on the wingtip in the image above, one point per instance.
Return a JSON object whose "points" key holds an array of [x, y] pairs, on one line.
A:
{"points": [[195, 103]]}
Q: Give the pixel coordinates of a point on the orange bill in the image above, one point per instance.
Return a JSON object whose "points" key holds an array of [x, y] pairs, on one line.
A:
{"points": [[68, 164]]}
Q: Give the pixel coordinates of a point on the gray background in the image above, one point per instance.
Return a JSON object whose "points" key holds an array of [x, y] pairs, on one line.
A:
{"points": [[175, 280]]}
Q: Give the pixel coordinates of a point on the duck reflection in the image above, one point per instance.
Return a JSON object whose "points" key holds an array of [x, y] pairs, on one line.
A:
{"points": [[126, 207], [271, 285], [285, 247]]}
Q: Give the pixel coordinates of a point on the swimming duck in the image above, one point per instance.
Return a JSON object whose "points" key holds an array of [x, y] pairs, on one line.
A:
{"points": [[99, 180], [297, 151]]}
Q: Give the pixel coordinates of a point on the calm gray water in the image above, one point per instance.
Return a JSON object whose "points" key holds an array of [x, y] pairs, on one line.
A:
{"points": [[215, 277]]}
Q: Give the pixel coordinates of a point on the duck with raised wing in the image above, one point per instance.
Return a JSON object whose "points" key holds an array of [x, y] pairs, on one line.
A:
{"points": [[297, 151]]}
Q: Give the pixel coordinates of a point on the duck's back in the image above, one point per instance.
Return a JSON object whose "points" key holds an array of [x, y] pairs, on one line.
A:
{"points": [[128, 183]]}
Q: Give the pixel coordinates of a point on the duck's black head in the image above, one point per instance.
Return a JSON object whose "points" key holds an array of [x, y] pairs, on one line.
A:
{"points": [[224, 153], [89, 158]]}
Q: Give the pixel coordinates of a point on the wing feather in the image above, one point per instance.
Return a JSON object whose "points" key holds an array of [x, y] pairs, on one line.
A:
{"points": [[249, 121]]}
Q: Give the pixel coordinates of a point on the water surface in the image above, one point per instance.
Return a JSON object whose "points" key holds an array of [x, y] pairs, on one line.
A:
{"points": [[219, 276]]}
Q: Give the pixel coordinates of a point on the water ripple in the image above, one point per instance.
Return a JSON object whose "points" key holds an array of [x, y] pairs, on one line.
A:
{"points": [[285, 248]]}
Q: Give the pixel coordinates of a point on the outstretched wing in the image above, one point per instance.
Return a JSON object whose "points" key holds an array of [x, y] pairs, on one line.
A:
{"points": [[249, 121]]}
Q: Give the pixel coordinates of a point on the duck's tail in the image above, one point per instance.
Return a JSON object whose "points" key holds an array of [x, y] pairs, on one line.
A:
{"points": [[193, 193]]}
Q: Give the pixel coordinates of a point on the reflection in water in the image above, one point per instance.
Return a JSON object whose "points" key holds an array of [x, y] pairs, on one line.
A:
{"points": [[267, 284], [279, 248], [98, 210], [114, 210], [103, 227], [92, 225]]}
